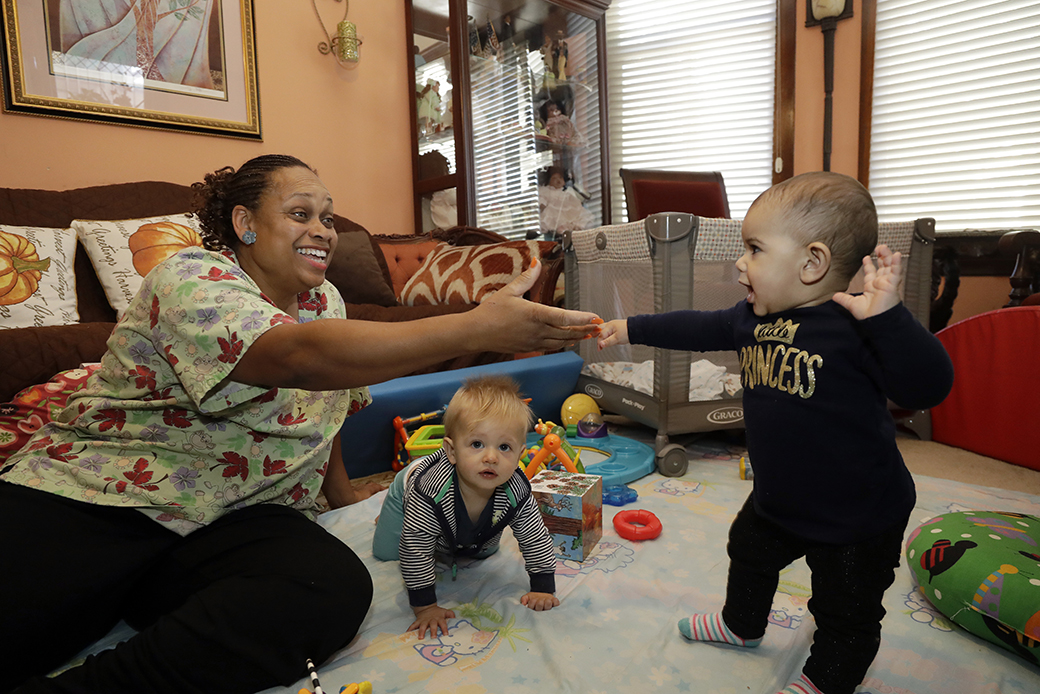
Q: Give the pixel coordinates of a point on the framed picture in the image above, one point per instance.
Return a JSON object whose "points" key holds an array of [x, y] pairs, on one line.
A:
{"points": [[185, 65]]}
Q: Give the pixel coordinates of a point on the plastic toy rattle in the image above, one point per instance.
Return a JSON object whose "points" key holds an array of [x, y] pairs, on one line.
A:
{"points": [[554, 448], [551, 446], [637, 524]]}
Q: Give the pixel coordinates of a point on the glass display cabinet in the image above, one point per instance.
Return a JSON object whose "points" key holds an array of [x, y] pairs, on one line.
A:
{"points": [[509, 114]]}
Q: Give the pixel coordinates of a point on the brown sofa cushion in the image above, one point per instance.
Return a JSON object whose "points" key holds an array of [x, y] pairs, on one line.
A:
{"points": [[356, 271], [34, 355]]}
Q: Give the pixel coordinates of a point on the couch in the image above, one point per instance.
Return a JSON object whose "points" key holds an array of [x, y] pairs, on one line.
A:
{"points": [[369, 271]]}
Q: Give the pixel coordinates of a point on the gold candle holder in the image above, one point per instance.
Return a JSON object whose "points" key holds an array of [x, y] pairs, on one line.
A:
{"points": [[347, 42]]}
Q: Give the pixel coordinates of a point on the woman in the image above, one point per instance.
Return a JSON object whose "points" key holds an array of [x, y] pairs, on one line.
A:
{"points": [[176, 492]]}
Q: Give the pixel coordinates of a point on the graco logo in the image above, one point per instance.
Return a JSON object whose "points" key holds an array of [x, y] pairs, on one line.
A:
{"points": [[594, 390], [725, 415]]}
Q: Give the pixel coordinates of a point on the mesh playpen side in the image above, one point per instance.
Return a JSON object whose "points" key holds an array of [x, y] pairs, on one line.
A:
{"points": [[669, 262]]}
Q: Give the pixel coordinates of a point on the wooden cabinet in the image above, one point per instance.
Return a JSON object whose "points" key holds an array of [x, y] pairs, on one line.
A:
{"points": [[510, 123]]}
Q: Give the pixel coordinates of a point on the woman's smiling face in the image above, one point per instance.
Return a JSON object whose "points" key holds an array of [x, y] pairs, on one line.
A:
{"points": [[295, 237]]}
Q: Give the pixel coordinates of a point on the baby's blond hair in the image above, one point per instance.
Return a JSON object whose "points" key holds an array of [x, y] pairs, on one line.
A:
{"points": [[492, 396], [833, 209]]}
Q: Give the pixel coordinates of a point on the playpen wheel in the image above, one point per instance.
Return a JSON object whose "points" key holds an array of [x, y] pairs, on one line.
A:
{"points": [[672, 461]]}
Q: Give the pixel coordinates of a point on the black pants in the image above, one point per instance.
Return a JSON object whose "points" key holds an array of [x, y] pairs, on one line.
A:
{"points": [[848, 583], [238, 606]]}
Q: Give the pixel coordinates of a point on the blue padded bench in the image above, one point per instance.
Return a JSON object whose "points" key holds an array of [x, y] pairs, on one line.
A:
{"points": [[368, 436]]}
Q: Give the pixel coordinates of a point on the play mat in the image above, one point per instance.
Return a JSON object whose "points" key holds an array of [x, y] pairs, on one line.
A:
{"points": [[615, 630]]}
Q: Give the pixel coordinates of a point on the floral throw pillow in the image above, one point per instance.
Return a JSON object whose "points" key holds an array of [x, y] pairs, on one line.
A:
{"points": [[37, 280], [124, 251], [35, 406], [469, 274]]}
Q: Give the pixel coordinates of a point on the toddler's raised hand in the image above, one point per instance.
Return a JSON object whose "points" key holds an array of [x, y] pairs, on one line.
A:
{"points": [[614, 332], [880, 286]]}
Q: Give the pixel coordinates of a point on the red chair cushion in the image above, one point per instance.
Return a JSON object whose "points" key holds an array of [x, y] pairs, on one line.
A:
{"points": [[995, 400]]}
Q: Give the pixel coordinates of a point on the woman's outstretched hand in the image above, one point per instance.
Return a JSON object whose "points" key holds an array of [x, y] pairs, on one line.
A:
{"points": [[510, 323]]}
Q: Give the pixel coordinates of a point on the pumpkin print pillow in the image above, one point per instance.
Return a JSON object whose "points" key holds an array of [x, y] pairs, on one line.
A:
{"points": [[123, 252], [37, 281]]}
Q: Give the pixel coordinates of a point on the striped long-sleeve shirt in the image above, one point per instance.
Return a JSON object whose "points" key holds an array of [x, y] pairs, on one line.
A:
{"points": [[431, 525]]}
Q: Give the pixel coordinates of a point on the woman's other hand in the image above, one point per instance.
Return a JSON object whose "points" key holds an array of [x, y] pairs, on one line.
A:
{"points": [[338, 489], [365, 490]]}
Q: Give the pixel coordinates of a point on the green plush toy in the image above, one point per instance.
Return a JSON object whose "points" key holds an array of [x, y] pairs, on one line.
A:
{"points": [[982, 570]]}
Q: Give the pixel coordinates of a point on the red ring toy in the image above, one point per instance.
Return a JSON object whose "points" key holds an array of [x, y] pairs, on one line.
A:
{"points": [[637, 524]]}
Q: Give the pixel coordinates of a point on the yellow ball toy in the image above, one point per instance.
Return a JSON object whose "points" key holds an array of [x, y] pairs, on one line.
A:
{"points": [[576, 407]]}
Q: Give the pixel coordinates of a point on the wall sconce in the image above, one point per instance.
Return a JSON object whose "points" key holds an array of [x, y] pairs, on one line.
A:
{"points": [[825, 14], [345, 45]]}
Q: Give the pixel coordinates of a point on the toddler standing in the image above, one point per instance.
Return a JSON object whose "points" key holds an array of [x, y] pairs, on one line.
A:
{"points": [[818, 366]]}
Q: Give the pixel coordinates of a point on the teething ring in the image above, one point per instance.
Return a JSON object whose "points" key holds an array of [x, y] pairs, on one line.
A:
{"points": [[637, 524]]}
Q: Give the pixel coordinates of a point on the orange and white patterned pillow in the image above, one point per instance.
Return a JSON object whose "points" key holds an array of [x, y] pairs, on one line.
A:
{"points": [[37, 279], [124, 251], [469, 274]]}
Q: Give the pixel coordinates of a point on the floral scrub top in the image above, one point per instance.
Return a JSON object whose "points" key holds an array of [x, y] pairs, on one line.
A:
{"points": [[159, 427]]}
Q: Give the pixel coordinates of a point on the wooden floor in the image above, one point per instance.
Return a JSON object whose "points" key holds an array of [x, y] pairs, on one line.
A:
{"points": [[946, 462]]}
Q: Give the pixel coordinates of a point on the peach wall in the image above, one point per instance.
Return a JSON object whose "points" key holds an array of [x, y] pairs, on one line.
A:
{"points": [[351, 125], [809, 96]]}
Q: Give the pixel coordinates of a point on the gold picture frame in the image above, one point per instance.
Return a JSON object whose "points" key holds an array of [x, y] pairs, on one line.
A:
{"points": [[181, 65]]}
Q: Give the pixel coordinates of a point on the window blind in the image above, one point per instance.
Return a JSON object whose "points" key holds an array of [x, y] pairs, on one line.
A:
{"points": [[956, 113], [503, 143], [690, 88], [505, 92]]}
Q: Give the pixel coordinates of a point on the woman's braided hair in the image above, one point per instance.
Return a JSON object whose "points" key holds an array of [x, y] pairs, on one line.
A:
{"points": [[217, 195]]}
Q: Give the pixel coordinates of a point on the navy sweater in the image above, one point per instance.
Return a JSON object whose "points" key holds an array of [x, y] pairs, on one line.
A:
{"points": [[816, 384]]}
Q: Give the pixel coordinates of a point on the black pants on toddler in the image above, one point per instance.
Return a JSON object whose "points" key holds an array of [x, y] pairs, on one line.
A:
{"points": [[848, 583], [237, 606]]}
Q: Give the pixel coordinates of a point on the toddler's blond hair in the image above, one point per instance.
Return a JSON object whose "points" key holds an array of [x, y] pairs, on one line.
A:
{"points": [[492, 396]]}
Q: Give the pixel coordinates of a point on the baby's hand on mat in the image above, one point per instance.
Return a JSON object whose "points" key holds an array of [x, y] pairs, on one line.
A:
{"points": [[432, 617], [539, 602], [613, 332]]}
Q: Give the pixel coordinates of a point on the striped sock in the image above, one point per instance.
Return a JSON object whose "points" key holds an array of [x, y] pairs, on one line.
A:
{"points": [[710, 627], [801, 686]]}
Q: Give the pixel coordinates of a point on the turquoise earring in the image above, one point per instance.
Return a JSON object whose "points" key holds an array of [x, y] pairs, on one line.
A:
{"points": [[249, 237]]}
